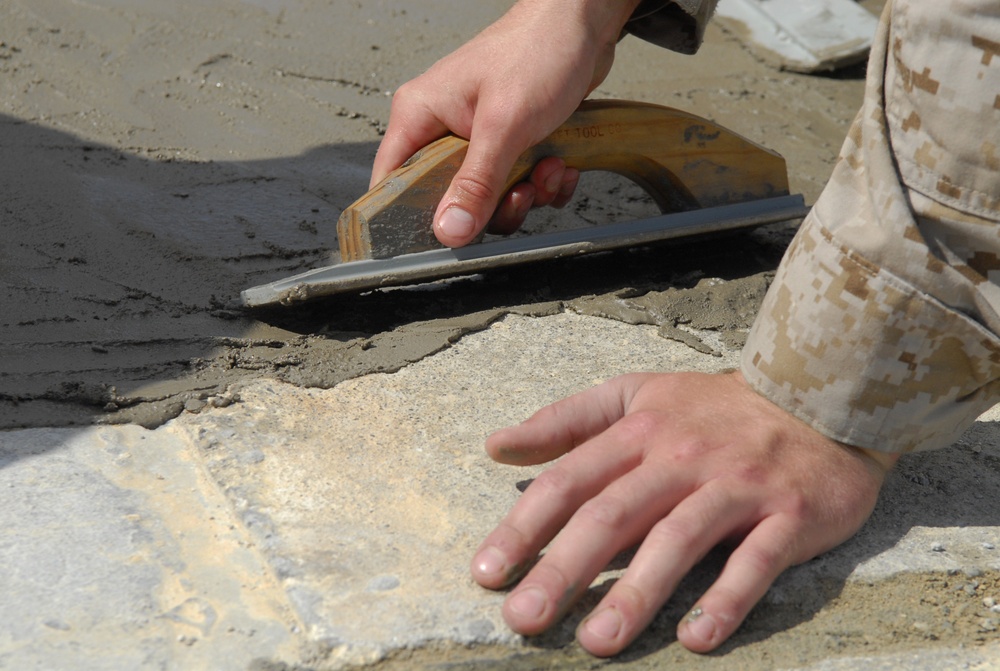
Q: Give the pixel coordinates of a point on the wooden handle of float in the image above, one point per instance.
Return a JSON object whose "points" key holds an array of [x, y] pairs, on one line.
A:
{"points": [[681, 160]]}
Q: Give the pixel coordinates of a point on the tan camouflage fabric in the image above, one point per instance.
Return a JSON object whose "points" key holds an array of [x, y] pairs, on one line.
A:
{"points": [[880, 329]]}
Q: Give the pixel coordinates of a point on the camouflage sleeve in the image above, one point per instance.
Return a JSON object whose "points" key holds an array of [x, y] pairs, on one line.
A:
{"points": [[678, 25], [880, 329]]}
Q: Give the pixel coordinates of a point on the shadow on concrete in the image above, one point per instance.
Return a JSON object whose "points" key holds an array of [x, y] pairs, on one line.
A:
{"points": [[119, 271]]}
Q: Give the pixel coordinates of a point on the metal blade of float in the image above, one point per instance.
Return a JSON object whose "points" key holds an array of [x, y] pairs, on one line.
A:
{"points": [[705, 178]]}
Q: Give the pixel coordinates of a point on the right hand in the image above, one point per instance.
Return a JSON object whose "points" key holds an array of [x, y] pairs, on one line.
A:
{"points": [[674, 463], [505, 91]]}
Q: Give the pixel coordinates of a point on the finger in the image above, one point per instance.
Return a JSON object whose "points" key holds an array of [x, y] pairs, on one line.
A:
{"points": [[605, 524], [562, 426], [673, 545], [513, 210], [477, 187], [551, 500], [547, 177], [412, 126], [767, 551], [551, 184], [571, 178]]}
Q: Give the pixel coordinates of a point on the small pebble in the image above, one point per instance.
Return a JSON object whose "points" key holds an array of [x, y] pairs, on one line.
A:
{"points": [[989, 546], [937, 547], [383, 583], [223, 400], [989, 602]]}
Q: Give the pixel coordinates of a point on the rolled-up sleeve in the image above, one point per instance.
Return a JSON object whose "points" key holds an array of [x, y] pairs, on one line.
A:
{"points": [[880, 329]]}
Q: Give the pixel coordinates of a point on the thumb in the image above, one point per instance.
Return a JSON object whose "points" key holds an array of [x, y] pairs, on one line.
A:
{"points": [[477, 187], [564, 425]]}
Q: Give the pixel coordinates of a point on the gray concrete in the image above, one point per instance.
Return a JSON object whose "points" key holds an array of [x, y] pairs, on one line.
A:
{"points": [[330, 528], [117, 553]]}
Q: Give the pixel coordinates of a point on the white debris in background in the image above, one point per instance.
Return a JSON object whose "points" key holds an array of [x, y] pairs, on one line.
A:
{"points": [[802, 35]]}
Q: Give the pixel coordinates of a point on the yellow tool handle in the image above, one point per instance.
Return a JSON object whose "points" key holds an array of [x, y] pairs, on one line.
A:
{"points": [[681, 160]]}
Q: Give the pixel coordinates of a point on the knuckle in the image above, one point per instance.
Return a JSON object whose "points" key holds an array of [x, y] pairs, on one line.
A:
{"points": [[688, 448], [633, 603], [606, 510], [636, 427], [764, 560], [555, 486], [562, 419], [798, 506], [405, 95], [752, 473], [672, 532], [509, 538], [554, 578], [474, 187]]}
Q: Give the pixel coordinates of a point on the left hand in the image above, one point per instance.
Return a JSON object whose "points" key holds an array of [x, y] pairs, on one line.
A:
{"points": [[679, 463]]}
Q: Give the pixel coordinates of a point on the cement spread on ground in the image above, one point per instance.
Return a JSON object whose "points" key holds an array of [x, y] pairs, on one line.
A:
{"points": [[154, 163]]}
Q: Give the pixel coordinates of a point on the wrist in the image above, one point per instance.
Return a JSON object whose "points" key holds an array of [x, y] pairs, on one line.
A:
{"points": [[607, 18], [884, 460], [603, 19]]}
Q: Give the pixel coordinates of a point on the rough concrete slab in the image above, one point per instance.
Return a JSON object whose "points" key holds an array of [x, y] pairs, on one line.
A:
{"points": [[370, 498], [332, 528], [117, 553]]}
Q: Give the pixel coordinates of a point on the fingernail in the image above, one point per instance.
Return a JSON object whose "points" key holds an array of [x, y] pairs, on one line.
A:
{"points": [[529, 602], [700, 624], [456, 223], [490, 562], [522, 205], [605, 624]]}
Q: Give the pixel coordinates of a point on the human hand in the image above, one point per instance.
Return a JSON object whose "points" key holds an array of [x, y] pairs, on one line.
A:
{"points": [[679, 462], [505, 91]]}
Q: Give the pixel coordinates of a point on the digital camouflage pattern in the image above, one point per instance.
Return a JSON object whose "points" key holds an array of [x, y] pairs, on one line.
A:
{"points": [[880, 327]]}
